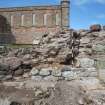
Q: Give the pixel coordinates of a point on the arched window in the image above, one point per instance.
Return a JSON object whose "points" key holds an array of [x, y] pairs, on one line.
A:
{"points": [[57, 19], [12, 17], [34, 19], [45, 19], [22, 20]]}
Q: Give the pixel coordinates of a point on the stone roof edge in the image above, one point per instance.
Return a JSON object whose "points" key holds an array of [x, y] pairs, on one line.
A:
{"points": [[30, 8]]}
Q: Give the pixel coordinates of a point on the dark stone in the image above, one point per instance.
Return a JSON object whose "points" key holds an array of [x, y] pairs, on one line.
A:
{"points": [[89, 45], [12, 62], [15, 103], [19, 72], [3, 72], [76, 35], [68, 59], [75, 52], [2, 77], [4, 67], [66, 68], [96, 27], [76, 42], [8, 77]]}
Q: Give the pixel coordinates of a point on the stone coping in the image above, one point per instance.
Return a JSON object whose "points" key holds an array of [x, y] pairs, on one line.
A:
{"points": [[30, 8]]}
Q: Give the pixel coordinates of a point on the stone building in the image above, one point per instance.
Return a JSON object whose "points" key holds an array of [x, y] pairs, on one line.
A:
{"points": [[22, 25]]}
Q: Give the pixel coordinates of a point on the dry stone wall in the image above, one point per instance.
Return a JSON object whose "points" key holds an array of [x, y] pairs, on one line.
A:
{"points": [[67, 55], [92, 51], [58, 66], [52, 50]]}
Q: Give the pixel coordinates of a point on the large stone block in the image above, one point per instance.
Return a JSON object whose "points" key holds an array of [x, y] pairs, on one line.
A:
{"points": [[56, 73], [85, 40], [101, 74], [69, 75], [86, 62], [45, 72], [99, 48], [34, 71], [100, 64]]}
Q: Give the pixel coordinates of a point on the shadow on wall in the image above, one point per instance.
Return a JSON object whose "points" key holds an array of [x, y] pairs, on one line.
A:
{"points": [[6, 36]]}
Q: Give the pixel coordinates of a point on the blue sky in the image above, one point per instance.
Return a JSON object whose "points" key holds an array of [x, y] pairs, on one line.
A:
{"points": [[83, 13]]}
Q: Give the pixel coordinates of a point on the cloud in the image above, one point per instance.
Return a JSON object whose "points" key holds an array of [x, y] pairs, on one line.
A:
{"points": [[101, 16]]}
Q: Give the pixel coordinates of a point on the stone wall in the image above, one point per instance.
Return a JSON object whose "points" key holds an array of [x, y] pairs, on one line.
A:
{"points": [[23, 24], [92, 51], [58, 66]]}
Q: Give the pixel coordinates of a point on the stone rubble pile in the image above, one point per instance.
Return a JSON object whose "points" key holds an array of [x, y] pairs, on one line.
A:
{"points": [[92, 51], [92, 45], [84, 48], [64, 64], [52, 48]]}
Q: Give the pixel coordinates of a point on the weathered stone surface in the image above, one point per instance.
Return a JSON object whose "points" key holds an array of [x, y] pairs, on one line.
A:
{"points": [[83, 33], [85, 72], [100, 63], [26, 75], [50, 78], [64, 91], [34, 71], [99, 48], [45, 56], [1, 77], [36, 42], [3, 72], [88, 73], [14, 96], [27, 57], [69, 75], [8, 77], [36, 78], [19, 72], [66, 68], [4, 67], [12, 62], [89, 51], [89, 83], [86, 62], [101, 34], [84, 40], [57, 73], [101, 75], [45, 71]]}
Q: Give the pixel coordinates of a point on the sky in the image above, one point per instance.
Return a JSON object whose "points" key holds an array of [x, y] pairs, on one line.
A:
{"points": [[83, 13]]}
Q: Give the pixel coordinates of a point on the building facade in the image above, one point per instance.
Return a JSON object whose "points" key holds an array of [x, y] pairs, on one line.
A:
{"points": [[22, 25]]}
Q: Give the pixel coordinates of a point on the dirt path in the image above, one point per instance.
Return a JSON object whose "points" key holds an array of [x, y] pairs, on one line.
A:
{"points": [[22, 96]]}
